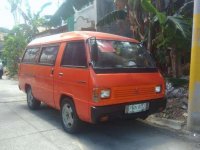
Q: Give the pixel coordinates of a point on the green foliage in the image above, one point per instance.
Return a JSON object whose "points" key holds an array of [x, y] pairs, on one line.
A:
{"points": [[171, 29], [14, 44], [147, 6], [160, 56], [179, 24], [187, 10], [17, 39], [177, 82], [175, 28], [34, 20]]}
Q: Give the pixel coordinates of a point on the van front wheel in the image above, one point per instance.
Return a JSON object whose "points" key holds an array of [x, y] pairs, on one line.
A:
{"points": [[31, 101], [70, 120]]}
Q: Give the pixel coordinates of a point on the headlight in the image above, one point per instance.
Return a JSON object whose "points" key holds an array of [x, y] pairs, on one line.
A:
{"points": [[105, 93], [99, 94], [158, 89]]}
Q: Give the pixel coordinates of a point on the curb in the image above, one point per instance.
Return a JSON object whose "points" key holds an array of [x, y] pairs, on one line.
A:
{"points": [[174, 124]]}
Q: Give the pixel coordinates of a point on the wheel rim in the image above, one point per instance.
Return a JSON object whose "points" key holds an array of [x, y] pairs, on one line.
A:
{"points": [[67, 115], [30, 98]]}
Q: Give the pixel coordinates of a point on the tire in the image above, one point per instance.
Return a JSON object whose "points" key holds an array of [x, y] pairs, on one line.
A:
{"points": [[1, 74], [31, 101], [69, 117], [144, 117]]}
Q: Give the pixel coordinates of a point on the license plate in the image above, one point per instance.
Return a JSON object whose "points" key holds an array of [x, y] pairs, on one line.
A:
{"points": [[129, 109]]}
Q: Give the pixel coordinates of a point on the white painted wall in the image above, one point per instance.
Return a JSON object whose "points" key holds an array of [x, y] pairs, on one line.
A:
{"points": [[86, 18]]}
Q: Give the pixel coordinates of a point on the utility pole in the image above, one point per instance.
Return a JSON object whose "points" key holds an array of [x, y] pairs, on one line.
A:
{"points": [[193, 122]]}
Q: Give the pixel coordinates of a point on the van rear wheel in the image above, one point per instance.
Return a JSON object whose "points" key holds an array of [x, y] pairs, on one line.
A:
{"points": [[70, 120], [31, 101]]}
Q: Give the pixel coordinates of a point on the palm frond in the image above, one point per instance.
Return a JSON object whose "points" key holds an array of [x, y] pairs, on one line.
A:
{"points": [[43, 7], [149, 7], [111, 17], [181, 25], [28, 11], [187, 9]]}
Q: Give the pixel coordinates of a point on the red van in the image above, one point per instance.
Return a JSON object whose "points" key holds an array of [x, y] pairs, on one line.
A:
{"points": [[91, 77]]}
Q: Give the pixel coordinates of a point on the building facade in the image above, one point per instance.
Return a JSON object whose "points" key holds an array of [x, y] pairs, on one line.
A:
{"points": [[87, 18]]}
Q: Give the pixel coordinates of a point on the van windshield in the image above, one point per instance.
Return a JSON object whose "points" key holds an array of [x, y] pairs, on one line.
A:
{"points": [[120, 54]]}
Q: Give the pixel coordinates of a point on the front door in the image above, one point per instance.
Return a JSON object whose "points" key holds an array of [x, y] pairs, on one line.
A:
{"points": [[72, 76]]}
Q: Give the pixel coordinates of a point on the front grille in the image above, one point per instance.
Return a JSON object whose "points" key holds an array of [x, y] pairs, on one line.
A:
{"points": [[134, 92]]}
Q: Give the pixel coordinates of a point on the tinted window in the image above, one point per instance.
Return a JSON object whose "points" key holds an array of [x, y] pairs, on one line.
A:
{"points": [[75, 55], [31, 55], [48, 55]]}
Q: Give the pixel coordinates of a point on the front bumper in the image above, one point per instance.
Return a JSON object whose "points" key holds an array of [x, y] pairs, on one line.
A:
{"points": [[118, 111]]}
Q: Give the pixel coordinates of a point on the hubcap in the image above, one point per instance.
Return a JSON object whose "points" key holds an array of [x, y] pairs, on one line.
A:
{"points": [[67, 115]]}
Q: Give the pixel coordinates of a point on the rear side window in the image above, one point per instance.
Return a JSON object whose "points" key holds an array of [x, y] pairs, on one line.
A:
{"points": [[31, 55], [48, 55], [74, 55]]}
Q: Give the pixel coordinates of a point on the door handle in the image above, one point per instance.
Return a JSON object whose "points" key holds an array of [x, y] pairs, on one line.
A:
{"points": [[81, 82], [60, 74], [52, 70]]}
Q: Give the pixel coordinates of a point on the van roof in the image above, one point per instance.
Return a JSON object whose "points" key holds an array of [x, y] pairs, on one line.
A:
{"points": [[77, 35]]}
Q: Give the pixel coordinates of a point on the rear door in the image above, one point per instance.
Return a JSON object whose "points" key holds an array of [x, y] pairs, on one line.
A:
{"points": [[45, 74]]}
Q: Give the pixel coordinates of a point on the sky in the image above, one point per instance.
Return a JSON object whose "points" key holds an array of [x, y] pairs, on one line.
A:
{"points": [[7, 20]]}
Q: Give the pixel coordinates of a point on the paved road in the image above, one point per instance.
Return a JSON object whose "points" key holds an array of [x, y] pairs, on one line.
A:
{"points": [[23, 129]]}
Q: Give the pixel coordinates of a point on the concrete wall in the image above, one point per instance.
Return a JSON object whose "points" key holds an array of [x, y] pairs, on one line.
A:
{"points": [[86, 18]]}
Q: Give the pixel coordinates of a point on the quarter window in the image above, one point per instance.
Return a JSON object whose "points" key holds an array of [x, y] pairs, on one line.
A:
{"points": [[48, 55], [31, 55], [74, 55]]}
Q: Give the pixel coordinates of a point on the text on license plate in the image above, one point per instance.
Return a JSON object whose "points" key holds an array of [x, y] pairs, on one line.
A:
{"points": [[135, 108]]}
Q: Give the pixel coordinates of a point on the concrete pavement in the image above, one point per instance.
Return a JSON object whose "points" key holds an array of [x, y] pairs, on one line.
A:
{"points": [[23, 129]]}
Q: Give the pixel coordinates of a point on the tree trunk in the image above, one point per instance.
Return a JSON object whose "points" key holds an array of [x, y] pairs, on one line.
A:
{"points": [[179, 65], [173, 62], [176, 63], [149, 40]]}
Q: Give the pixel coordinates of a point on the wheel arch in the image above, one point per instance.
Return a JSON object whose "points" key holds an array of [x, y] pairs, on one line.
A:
{"points": [[27, 86], [63, 97]]}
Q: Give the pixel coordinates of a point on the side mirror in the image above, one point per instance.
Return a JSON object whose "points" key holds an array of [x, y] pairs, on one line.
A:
{"points": [[94, 52]]}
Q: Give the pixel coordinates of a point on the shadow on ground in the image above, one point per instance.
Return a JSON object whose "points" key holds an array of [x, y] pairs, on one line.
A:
{"points": [[121, 134]]}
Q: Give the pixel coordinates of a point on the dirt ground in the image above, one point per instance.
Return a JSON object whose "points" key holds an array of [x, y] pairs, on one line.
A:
{"points": [[177, 104]]}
